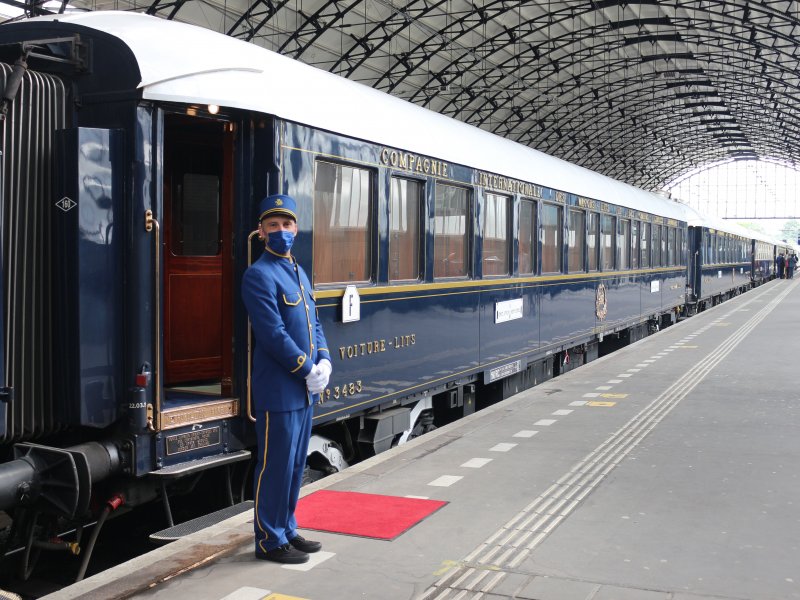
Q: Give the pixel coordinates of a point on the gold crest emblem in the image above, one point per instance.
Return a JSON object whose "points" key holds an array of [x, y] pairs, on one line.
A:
{"points": [[278, 202], [600, 302]]}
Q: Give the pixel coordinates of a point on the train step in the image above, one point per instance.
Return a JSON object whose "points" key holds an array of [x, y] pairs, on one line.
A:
{"points": [[193, 466], [183, 529]]}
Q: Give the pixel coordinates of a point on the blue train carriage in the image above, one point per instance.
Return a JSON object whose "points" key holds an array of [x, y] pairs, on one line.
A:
{"points": [[725, 260], [126, 210], [764, 251], [448, 264], [440, 283]]}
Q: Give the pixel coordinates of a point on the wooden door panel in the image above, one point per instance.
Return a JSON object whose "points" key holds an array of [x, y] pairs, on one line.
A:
{"points": [[192, 333], [197, 320]]}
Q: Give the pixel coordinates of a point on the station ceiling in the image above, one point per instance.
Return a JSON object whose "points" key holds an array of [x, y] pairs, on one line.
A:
{"points": [[641, 91]]}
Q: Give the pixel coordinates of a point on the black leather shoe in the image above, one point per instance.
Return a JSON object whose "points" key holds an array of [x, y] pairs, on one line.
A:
{"points": [[284, 554], [305, 545]]}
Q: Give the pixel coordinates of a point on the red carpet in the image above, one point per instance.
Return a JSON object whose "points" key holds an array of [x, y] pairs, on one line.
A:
{"points": [[365, 515]]}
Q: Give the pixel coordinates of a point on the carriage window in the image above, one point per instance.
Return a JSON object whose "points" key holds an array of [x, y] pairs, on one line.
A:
{"points": [[404, 238], [495, 235], [624, 244], [450, 231], [527, 237], [592, 240], [708, 246], [342, 224], [608, 233], [576, 233], [551, 238], [681, 247], [672, 248], [634, 244], [644, 239], [196, 216], [655, 244]]}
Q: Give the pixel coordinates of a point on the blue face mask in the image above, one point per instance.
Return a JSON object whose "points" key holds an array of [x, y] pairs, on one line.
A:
{"points": [[280, 242]]}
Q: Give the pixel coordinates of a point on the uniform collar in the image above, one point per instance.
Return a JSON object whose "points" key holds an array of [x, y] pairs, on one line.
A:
{"points": [[288, 256]]}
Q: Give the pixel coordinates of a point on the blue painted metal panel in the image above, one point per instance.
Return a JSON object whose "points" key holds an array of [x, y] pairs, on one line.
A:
{"points": [[650, 294], [720, 279], [567, 310], [88, 276], [507, 339], [400, 346], [623, 300]]}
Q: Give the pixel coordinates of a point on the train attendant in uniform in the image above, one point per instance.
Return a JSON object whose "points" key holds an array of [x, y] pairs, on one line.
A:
{"points": [[291, 367]]}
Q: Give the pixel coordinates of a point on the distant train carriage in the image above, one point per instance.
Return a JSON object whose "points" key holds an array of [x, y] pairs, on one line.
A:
{"points": [[725, 260], [763, 261], [451, 268]]}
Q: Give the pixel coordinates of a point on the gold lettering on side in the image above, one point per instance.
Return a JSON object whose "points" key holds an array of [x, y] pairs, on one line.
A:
{"points": [[491, 181], [199, 413], [414, 163], [376, 346]]}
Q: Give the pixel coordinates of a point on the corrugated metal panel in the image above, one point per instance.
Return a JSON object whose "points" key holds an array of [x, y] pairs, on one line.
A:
{"points": [[28, 143]]}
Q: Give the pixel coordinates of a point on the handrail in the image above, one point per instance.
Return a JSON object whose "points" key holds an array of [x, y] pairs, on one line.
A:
{"points": [[250, 333], [154, 412]]}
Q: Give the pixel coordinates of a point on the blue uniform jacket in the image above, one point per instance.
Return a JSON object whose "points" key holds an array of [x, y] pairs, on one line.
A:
{"points": [[288, 335]]}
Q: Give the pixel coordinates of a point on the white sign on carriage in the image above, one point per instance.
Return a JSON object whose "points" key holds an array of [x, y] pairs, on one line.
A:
{"points": [[508, 310]]}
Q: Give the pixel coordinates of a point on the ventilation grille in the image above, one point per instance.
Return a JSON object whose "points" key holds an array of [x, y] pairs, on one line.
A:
{"points": [[38, 110]]}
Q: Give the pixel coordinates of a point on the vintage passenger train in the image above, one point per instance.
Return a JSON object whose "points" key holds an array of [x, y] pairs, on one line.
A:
{"points": [[450, 267]]}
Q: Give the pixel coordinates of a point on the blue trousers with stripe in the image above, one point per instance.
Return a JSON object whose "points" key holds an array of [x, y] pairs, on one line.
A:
{"points": [[282, 447]]}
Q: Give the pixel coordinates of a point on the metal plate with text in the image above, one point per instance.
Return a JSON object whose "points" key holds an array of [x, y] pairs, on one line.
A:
{"points": [[192, 440], [199, 413], [502, 371]]}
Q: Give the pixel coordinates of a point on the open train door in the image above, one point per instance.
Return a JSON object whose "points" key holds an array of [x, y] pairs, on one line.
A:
{"points": [[198, 194]]}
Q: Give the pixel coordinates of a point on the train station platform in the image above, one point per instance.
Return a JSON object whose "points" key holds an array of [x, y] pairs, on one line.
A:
{"points": [[669, 470]]}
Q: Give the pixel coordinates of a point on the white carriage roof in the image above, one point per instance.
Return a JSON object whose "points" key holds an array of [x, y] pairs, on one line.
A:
{"points": [[185, 63], [696, 219]]}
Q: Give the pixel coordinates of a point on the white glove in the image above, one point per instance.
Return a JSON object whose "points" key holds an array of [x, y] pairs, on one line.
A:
{"points": [[327, 369], [317, 379]]}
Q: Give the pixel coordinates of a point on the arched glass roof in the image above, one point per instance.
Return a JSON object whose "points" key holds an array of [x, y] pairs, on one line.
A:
{"points": [[640, 91]]}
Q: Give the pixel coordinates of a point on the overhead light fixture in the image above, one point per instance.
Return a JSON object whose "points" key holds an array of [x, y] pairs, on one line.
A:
{"points": [[213, 109]]}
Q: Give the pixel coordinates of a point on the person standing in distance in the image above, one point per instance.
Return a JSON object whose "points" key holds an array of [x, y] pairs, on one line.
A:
{"points": [[291, 367]]}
